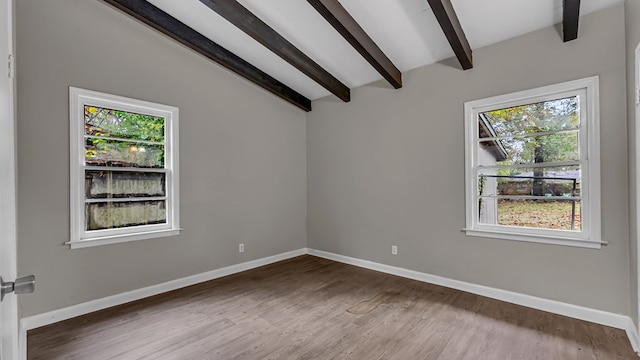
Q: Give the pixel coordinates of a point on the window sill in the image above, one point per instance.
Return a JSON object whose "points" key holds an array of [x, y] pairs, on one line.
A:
{"points": [[540, 239], [107, 240]]}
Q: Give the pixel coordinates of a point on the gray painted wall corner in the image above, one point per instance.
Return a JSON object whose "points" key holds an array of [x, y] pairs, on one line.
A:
{"points": [[632, 24], [242, 154], [388, 168]]}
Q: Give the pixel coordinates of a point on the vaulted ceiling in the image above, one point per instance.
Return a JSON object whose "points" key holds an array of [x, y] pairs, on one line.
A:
{"points": [[406, 33]]}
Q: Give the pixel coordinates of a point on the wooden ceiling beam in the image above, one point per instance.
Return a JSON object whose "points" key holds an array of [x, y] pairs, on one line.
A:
{"points": [[443, 10], [246, 21], [570, 16], [165, 23], [347, 26]]}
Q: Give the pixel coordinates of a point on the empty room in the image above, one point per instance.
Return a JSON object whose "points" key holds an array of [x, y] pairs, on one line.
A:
{"points": [[320, 179]]}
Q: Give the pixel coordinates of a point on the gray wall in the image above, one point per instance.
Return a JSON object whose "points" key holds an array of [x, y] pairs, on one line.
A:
{"points": [[242, 153], [388, 168], [385, 169], [632, 21]]}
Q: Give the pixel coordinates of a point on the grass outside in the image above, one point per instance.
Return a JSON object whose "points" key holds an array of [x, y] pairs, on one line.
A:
{"points": [[538, 214]]}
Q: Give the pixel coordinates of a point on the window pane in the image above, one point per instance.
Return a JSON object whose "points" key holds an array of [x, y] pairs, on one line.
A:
{"points": [[122, 124], [124, 214], [544, 181], [114, 184], [553, 115], [555, 214], [101, 152], [526, 162], [562, 146], [557, 186]]}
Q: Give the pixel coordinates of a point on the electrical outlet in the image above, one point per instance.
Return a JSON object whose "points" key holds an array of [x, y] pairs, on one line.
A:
{"points": [[394, 250], [241, 248]]}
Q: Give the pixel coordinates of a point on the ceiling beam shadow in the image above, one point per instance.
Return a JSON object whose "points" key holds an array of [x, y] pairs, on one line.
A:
{"points": [[170, 26], [570, 16], [443, 10], [246, 21], [347, 26]]}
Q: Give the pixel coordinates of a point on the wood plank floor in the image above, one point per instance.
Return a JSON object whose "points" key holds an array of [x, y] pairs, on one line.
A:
{"points": [[312, 308]]}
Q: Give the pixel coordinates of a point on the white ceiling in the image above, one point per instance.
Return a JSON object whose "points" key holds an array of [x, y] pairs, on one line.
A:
{"points": [[406, 31]]}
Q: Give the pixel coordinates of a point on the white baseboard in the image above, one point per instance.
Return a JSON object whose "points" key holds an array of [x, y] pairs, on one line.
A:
{"points": [[632, 333], [35, 321], [577, 312]]}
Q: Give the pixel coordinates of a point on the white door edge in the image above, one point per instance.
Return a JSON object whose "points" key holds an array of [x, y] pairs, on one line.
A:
{"points": [[9, 348], [636, 101]]}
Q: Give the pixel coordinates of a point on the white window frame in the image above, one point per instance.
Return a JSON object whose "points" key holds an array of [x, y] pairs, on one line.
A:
{"points": [[79, 237], [589, 162]]}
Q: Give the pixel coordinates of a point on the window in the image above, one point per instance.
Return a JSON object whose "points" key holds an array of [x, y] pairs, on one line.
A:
{"points": [[532, 165], [124, 169]]}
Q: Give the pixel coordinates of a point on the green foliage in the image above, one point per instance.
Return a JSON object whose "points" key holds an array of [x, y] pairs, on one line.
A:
{"points": [[520, 122], [123, 124], [102, 124]]}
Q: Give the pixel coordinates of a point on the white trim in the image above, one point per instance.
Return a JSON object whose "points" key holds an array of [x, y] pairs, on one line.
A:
{"points": [[79, 236], [632, 334], [636, 102], [35, 321], [617, 321], [590, 236], [535, 238], [577, 312], [115, 239], [9, 321], [22, 343]]}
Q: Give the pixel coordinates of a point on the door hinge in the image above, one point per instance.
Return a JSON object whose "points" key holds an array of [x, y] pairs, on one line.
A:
{"points": [[10, 66], [638, 96]]}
